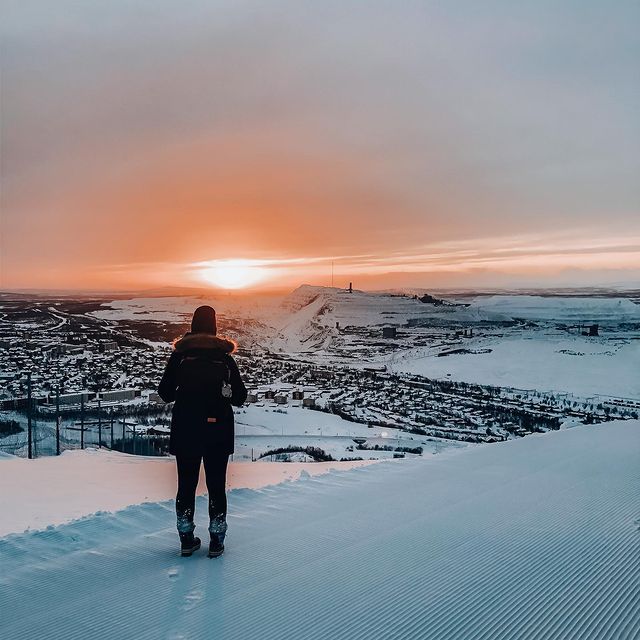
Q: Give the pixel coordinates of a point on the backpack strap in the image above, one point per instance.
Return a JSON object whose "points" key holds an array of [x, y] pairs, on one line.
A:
{"points": [[205, 358]]}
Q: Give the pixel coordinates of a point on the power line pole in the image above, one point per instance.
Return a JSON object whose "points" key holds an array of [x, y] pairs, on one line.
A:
{"points": [[99, 422], [58, 420], [82, 421], [29, 425]]}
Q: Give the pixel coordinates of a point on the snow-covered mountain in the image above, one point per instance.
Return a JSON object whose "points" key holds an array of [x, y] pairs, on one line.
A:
{"points": [[326, 306], [313, 316]]}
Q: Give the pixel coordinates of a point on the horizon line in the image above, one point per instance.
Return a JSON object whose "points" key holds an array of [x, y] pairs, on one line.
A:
{"points": [[168, 291]]}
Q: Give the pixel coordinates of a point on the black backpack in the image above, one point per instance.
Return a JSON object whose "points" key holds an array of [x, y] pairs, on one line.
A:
{"points": [[202, 377]]}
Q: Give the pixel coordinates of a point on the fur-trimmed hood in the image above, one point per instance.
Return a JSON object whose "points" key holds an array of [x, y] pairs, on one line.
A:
{"points": [[204, 341]]}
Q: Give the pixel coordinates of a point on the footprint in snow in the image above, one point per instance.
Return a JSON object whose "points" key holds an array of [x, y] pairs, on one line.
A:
{"points": [[192, 599]]}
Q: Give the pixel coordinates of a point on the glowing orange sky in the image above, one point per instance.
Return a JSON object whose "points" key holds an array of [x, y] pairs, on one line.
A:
{"points": [[486, 150]]}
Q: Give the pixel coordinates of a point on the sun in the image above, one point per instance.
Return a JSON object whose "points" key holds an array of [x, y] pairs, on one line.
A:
{"points": [[233, 274]]}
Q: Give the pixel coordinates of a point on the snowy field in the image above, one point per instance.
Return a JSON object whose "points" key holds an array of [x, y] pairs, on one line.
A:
{"points": [[532, 538], [557, 308], [265, 428], [575, 364]]}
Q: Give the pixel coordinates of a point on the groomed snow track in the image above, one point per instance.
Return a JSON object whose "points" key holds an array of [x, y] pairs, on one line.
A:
{"points": [[534, 538]]}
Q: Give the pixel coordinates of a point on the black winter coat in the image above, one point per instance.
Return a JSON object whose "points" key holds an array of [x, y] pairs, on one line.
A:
{"points": [[194, 431]]}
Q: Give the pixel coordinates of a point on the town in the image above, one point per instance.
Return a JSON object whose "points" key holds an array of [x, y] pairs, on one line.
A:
{"points": [[59, 361]]}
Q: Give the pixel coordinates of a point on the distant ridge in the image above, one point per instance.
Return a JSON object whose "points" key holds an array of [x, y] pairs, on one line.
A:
{"points": [[545, 292]]}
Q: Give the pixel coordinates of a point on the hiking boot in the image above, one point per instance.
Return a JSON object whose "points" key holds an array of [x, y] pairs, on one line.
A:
{"points": [[216, 545], [217, 531], [188, 544]]}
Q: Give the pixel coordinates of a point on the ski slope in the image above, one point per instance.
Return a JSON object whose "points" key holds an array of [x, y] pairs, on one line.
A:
{"points": [[531, 538]]}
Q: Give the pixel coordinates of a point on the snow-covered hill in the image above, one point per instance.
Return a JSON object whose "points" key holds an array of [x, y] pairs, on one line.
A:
{"points": [[325, 306], [313, 317], [535, 538], [528, 342]]}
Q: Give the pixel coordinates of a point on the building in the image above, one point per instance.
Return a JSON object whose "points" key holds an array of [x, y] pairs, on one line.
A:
{"points": [[309, 402], [119, 394], [389, 332], [592, 331], [281, 399], [298, 395], [157, 431], [70, 349], [14, 403], [73, 398], [252, 397]]}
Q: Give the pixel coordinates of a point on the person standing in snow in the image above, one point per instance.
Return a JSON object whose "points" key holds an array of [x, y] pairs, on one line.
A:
{"points": [[203, 380]]}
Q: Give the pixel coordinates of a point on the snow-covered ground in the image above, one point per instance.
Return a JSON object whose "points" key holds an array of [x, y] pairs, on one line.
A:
{"points": [[572, 364], [532, 538], [558, 308], [261, 429], [55, 490], [536, 537]]}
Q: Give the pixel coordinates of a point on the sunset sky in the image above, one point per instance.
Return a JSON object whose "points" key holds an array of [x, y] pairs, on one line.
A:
{"points": [[422, 144]]}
